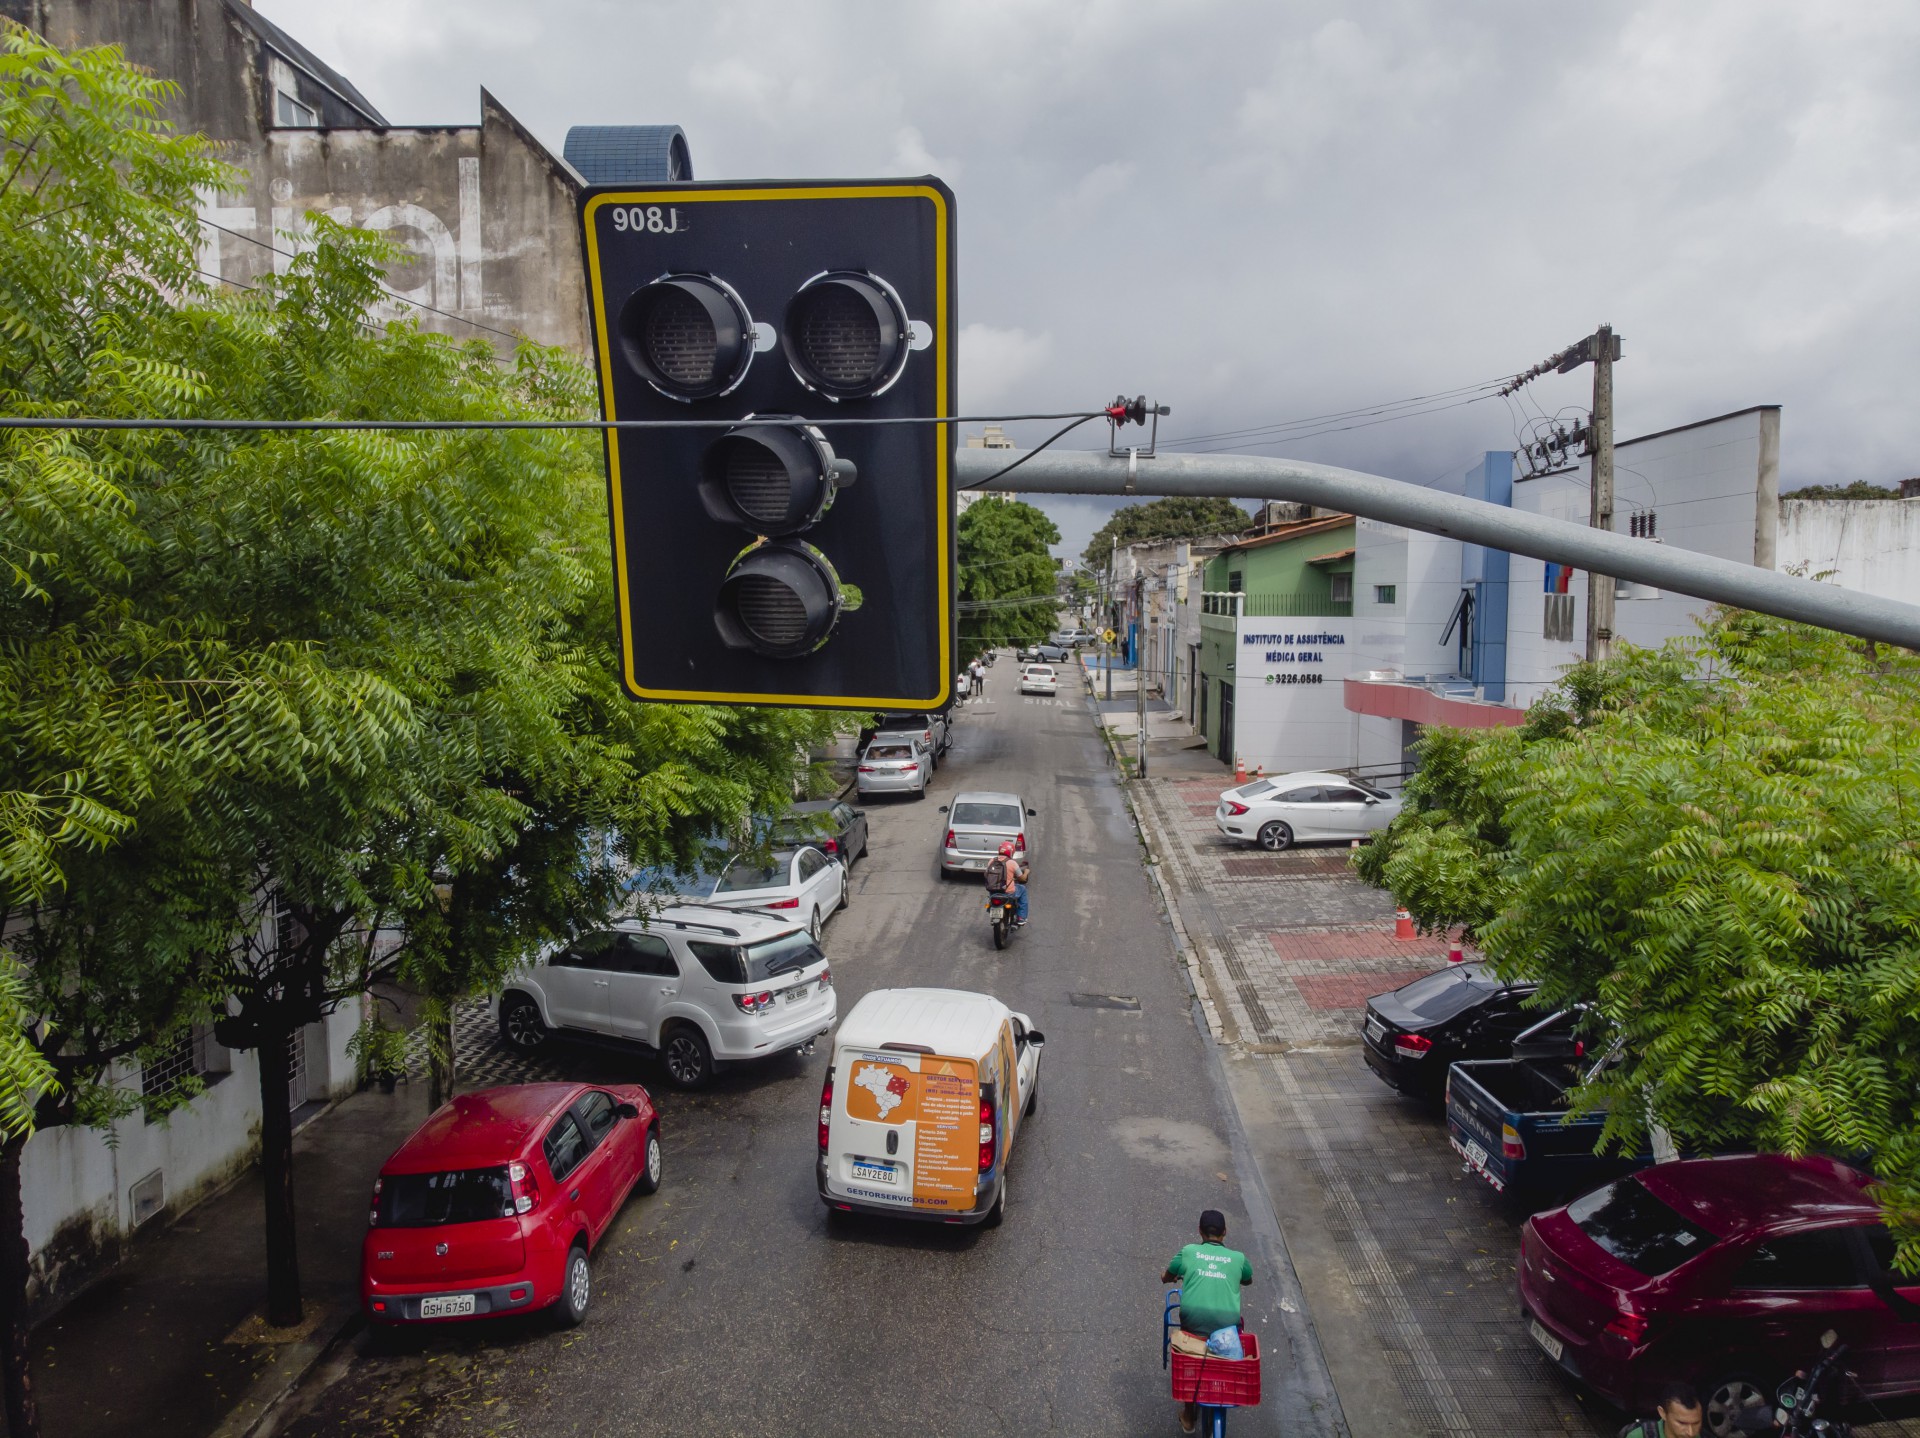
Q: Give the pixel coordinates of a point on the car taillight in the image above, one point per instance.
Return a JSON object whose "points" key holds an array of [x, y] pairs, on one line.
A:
{"points": [[826, 1109], [909, 768], [1412, 1046], [950, 844], [1629, 1325], [989, 1135], [826, 978], [867, 769], [373, 1209], [1019, 843], [782, 904], [526, 1192], [1235, 808], [754, 1003], [1510, 1143], [832, 846]]}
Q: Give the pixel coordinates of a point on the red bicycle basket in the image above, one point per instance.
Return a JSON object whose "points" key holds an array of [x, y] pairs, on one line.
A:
{"points": [[1224, 1382]]}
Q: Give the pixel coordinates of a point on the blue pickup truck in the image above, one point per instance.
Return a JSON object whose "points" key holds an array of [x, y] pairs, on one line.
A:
{"points": [[1508, 1117]]}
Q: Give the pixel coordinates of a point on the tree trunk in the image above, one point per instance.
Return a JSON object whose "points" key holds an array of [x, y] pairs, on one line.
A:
{"points": [[23, 1414], [276, 1170], [440, 1059]]}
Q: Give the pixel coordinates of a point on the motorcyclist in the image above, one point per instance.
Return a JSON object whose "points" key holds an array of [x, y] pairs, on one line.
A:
{"points": [[1677, 1414], [1006, 874]]}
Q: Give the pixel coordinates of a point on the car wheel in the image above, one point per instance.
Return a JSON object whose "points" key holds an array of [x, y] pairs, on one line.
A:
{"points": [[649, 1180], [997, 1214], [688, 1059], [520, 1023], [846, 894], [813, 926], [576, 1289], [1276, 837], [1730, 1399]]}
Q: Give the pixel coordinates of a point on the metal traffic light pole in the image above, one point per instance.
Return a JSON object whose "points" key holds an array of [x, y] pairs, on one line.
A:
{"points": [[1239, 476]]}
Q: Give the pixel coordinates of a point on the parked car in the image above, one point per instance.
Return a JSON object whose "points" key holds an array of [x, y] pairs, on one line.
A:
{"points": [[893, 764], [1411, 1036], [698, 985], [913, 1071], [1508, 1117], [832, 825], [933, 730], [496, 1203], [1039, 679], [804, 880], [978, 823], [1724, 1272], [1076, 637], [1307, 807]]}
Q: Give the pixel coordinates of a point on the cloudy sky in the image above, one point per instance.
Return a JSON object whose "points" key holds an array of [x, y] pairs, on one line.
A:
{"points": [[1261, 211]]}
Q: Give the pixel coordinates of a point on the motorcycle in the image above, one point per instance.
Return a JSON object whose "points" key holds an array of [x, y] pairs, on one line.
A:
{"points": [[1000, 911], [1796, 1407]]}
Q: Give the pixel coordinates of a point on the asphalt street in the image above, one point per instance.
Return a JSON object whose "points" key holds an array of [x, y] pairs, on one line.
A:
{"points": [[727, 1305]]}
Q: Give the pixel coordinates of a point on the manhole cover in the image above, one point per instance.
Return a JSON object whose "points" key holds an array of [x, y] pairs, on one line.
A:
{"points": [[1105, 1001]]}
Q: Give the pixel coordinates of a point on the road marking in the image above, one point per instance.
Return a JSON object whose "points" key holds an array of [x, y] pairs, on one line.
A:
{"points": [[1378, 1268]]}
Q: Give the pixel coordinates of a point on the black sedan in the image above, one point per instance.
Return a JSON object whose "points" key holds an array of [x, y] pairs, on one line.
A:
{"points": [[829, 824], [1413, 1035]]}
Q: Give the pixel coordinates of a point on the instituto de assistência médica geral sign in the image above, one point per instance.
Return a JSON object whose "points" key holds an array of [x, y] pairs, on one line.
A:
{"points": [[1305, 649]]}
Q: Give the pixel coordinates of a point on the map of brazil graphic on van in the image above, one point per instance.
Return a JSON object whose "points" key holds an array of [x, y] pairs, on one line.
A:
{"points": [[883, 1093]]}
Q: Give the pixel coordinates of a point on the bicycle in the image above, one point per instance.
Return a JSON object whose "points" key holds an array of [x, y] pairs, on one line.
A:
{"points": [[1216, 1384]]}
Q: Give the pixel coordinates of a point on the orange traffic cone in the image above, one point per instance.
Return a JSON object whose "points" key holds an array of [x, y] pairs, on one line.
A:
{"points": [[1403, 925], [1259, 771], [1454, 954], [1239, 771]]}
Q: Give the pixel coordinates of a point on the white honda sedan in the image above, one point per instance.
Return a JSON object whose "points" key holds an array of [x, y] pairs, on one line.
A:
{"points": [[1305, 808], [803, 883]]}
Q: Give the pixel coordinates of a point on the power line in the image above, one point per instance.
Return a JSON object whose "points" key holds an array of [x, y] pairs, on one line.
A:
{"points": [[1358, 411], [1343, 428], [304, 425]]}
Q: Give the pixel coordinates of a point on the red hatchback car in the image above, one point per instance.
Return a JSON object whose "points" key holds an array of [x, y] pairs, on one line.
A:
{"points": [[494, 1204], [1724, 1272]]}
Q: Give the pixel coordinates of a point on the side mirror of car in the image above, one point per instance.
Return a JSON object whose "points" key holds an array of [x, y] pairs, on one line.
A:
{"points": [[1033, 813], [859, 813], [943, 808], [1372, 800], [627, 1110], [1036, 1039]]}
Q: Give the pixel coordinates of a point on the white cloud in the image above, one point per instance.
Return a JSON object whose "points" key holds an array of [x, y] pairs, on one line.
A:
{"points": [[995, 364]]}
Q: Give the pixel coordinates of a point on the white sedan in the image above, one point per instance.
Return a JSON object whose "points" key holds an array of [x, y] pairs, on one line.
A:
{"points": [[1039, 679], [804, 883], [1291, 809]]}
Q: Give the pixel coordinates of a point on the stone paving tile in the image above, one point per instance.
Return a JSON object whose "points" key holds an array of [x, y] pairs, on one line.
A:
{"points": [[1296, 944], [1349, 992]]}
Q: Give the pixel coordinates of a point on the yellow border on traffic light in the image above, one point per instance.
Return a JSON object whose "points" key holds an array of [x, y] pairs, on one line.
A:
{"points": [[942, 400]]}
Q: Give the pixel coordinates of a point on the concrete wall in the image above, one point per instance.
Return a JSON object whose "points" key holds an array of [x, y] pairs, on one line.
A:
{"points": [[1290, 702], [1871, 545]]}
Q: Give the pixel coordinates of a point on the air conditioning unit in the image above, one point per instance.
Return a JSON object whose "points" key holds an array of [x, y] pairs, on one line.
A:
{"points": [[146, 1198]]}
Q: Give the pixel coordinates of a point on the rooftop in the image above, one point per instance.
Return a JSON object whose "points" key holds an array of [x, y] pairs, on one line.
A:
{"points": [[482, 1128], [954, 1022]]}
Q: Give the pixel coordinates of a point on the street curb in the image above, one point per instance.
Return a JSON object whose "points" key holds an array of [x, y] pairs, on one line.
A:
{"points": [[262, 1406]]}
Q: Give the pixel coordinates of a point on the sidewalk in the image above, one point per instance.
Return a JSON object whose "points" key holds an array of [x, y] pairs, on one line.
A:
{"points": [[164, 1345]]}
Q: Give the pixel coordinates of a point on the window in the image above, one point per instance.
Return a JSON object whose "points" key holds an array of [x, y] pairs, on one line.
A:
{"points": [[289, 112], [1346, 796], [565, 1147], [1312, 794], [1821, 1259], [589, 951], [647, 954], [193, 1054], [757, 963], [1384, 593], [431, 1200], [1342, 588], [1637, 1228], [743, 877], [1235, 578], [812, 861], [990, 816], [843, 814], [597, 1116], [889, 751]]}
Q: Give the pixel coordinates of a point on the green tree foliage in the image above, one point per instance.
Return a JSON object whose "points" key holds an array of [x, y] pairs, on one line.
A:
{"points": [[1008, 579], [1172, 518], [270, 700], [1857, 489], [1714, 844]]}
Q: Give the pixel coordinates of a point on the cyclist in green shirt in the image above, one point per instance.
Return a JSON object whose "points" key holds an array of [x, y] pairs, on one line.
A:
{"points": [[1210, 1276]]}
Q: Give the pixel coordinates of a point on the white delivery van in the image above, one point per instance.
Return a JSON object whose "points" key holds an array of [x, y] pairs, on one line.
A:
{"points": [[922, 1103]]}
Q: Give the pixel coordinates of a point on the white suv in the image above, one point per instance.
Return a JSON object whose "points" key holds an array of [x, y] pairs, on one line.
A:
{"points": [[699, 985]]}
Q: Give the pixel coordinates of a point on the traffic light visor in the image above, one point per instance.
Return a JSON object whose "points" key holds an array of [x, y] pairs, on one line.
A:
{"points": [[687, 335], [780, 599], [771, 479], [846, 334]]}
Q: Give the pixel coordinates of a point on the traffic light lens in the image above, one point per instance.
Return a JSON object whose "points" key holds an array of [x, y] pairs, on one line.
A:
{"points": [[757, 483], [679, 339], [846, 334], [771, 612], [840, 336], [689, 336]]}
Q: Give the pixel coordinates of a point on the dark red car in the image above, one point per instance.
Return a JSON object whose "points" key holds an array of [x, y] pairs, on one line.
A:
{"points": [[1724, 1272], [495, 1203]]}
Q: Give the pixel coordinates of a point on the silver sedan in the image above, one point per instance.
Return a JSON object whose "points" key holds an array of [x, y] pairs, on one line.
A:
{"points": [[977, 825]]}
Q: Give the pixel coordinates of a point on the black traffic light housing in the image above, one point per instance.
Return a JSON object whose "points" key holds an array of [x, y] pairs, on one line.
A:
{"points": [[766, 551]]}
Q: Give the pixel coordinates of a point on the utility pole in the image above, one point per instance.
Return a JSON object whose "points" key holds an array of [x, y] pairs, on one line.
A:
{"points": [[1600, 513], [1106, 624], [1139, 667], [1601, 349]]}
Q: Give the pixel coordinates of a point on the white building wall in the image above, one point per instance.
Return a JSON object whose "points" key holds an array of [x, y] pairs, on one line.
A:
{"points": [[1872, 545], [1289, 704], [1702, 483]]}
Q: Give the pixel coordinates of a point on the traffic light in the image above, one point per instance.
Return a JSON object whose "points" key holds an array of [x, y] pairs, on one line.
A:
{"points": [[766, 550]]}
